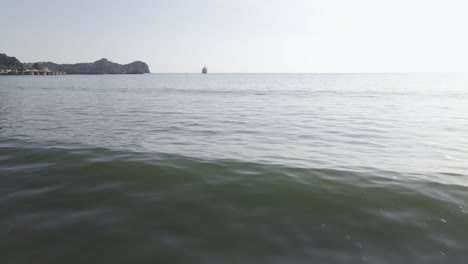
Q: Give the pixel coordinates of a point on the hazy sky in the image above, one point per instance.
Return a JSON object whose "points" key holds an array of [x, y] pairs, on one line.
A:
{"points": [[242, 35]]}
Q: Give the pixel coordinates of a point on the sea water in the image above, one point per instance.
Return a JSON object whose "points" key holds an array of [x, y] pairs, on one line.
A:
{"points": [[234, 168]]}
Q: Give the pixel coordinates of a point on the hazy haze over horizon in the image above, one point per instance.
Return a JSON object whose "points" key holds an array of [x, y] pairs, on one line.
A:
{"points": [[242, 35]]}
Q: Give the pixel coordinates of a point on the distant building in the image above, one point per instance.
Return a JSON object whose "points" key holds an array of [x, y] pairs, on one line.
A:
{"points": [[45, 69]]}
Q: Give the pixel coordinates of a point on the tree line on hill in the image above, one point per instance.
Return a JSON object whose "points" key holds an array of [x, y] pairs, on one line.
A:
{"points": [[11, 63], [102, 66]]}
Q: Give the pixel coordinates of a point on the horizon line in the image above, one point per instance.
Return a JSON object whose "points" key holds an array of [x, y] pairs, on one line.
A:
{"points": [[441, 72]]}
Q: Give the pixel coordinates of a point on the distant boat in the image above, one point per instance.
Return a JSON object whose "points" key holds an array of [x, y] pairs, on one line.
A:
{"points": [[204, 70]]}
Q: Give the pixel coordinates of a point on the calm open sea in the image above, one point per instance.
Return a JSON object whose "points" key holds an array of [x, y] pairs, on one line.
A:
{"points": [[234, 168]]}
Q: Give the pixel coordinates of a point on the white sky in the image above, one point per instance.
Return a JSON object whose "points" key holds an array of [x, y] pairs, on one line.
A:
{"points": [[242, 35]]}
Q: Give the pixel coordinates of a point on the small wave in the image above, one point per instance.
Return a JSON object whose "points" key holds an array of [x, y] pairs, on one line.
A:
{"points": [[157, 207]]}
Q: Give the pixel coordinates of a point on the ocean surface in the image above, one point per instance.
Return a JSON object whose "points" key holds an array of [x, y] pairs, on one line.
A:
{"points": [[234, 168]]}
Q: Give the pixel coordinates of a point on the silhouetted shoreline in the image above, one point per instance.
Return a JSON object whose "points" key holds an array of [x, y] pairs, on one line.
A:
{"points": [[12, 66]]}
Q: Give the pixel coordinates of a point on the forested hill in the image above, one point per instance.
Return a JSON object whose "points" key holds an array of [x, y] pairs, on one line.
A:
{"points": [[102, 66], [7, 62]]}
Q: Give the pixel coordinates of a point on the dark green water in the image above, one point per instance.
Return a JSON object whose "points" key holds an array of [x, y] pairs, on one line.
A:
{"points": [[234, 169]]}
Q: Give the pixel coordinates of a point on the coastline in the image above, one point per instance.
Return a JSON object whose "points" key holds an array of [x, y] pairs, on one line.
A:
{"points": [[62, 73], [31, 73]]}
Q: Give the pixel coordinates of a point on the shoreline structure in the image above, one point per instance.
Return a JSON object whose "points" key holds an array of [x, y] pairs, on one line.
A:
{"points": [[32, 72]]}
